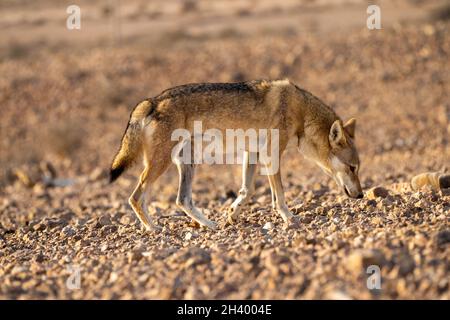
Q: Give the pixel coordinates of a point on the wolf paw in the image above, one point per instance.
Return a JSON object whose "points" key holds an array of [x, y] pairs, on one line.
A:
{"points": [[231, 220], [210, 224], [292, 223], [152, 228]]}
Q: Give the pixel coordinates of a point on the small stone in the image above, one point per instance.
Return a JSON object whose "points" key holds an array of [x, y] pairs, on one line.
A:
{"points": [[80, 223], [429, 30], [443, 238], [307, 219], [262, 199], [44, 289], [54, 222], [405, 263], [127, 219], [62, 182], [117, 216], [108, 230], [134, 255], [337, 295], [444, 181], [24, 178], [359, 260], [97, 174], [193, 293], [39, 258], [104, 220], [194, 257], [276, 262], [81, 244], [68, 231], [401, 287], [310, 239], [39, 227], [30, 285], [113, 277], [190, 235], [268, 226], [377, 192], [162, 206]]}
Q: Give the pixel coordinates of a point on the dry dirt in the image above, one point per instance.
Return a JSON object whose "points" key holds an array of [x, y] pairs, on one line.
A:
{"points": [[65, 102]]}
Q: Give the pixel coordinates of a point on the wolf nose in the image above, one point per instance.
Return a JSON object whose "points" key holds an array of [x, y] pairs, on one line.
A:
{"points": [[360, 196]]}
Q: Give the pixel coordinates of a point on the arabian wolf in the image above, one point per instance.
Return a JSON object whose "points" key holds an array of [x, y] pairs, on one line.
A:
{"points": [[318, 132]]}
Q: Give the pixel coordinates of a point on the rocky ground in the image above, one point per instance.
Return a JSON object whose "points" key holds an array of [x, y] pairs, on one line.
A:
{"points": [[63, 114]]}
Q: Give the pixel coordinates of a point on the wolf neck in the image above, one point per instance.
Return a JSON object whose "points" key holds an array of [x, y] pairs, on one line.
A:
{"points": [[316, 116]]}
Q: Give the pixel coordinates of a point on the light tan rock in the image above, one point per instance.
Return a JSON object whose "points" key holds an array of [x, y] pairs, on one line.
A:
{"points": [[434, 180]]}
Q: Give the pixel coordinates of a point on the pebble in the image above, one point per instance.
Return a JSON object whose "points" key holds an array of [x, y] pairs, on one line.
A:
{"points": [[444, 181], [39, 227], [104, 220], [377, 192], [68, 231], [443, 238], [134, 255], [127, 219], [268, 226], [190, 235], [359, 260]]}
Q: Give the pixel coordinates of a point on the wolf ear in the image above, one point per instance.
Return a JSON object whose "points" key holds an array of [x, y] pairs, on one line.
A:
{"points": [[350, 127], [336, 135]]}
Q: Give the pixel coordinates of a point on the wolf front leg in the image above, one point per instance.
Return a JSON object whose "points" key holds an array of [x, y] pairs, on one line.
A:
{"points": [[273, 197], [247, 188], [280, 203]]}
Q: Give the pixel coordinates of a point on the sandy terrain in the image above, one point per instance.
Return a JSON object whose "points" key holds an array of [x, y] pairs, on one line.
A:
{"points": [[65, 97]]}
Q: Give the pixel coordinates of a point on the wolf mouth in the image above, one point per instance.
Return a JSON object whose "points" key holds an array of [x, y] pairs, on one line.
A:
{"points": [[346, 191]]}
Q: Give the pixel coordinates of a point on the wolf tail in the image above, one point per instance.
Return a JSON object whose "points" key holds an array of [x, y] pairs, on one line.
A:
{"points": [[131, 145]]}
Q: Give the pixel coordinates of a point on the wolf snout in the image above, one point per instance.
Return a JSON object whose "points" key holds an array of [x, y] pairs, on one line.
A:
{"points": [[356, 195]]}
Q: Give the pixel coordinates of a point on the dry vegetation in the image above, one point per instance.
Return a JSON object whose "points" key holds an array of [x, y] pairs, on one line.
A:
{"points": [[65, 105]]}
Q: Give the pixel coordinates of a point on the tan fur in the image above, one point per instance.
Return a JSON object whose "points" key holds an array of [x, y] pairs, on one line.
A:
{"points": [[131, 145], [260, 104]]}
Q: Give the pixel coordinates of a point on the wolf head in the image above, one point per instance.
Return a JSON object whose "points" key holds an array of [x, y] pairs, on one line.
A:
{"points": [[337, 156], [343, 157]]}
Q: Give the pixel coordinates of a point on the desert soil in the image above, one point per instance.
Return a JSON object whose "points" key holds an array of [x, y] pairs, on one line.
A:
{"points": [[65, 102]]}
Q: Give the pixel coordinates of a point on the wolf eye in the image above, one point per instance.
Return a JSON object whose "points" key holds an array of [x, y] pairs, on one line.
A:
{"points": [[353, 169]]}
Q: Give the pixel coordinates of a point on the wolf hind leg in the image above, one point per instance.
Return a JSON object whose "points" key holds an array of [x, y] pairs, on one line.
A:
{"points": [[138, 203], [184, 197], [247, 188], [156, 161]]}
